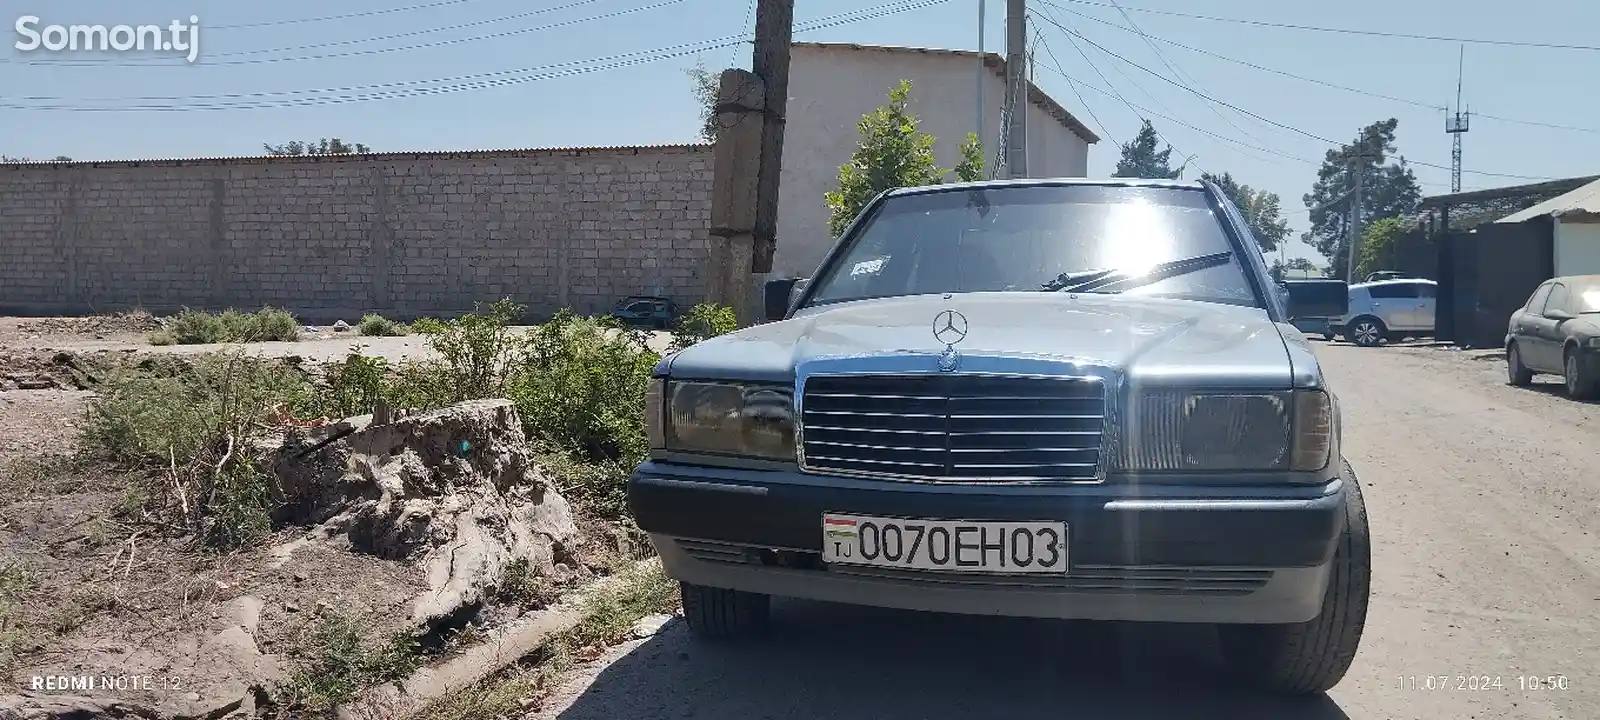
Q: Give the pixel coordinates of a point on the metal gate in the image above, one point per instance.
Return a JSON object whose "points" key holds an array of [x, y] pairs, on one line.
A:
{"points": [[1485, 275]]}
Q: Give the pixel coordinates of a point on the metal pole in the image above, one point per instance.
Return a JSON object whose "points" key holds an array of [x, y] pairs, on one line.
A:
{"points": [[1017, 87], [1355, 217], [983, 67]]}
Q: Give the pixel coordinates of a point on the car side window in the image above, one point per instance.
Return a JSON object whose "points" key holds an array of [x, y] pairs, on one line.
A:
{"points": [[1557, 299], [1536, 302], [1393, 290], [1424, 290]]}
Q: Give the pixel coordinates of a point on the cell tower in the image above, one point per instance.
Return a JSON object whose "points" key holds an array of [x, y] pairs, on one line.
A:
{"points": [[1456, 124]]}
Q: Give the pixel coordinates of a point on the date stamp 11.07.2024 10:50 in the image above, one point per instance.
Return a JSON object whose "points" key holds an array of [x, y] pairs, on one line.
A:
{"points": [[1484, 683]]}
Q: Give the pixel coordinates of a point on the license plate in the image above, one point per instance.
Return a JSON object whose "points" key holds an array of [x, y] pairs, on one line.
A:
{"points": [[945, 545]]}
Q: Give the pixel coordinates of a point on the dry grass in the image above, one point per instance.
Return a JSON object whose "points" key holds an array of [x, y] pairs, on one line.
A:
{"points": [[608, 618]]}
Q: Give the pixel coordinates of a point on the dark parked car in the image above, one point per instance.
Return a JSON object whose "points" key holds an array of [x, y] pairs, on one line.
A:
{"points": [[1073, 399], [1558, 332], [646, 311], [1315, 302]]}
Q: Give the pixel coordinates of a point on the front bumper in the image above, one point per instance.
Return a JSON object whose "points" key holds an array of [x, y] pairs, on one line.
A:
{"points": [[1152, 553]]}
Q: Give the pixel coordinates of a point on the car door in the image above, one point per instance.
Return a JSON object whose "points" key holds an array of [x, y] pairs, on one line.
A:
{"points": [[1427, 304], [1524, 325], [1549, 329], [1395, 304]]}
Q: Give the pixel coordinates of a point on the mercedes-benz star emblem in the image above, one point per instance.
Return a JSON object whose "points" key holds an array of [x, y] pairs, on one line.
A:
{"points": [[950, 327]]}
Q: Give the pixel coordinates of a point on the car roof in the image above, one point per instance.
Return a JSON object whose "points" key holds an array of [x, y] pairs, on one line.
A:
{"points": [[1396, 281], [1049, 182], [1576, 279]]}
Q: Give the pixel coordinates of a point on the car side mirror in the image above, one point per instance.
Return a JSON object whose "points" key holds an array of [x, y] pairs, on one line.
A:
{"points": [[778, 294], [1558, 315], [1283, 294]]}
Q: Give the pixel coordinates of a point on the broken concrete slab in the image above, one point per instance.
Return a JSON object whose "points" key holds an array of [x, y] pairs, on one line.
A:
{"points": [[454, 491]]}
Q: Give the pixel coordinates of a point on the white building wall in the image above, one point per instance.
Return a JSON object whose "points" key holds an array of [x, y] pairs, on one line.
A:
{"points": [[831, 88], [1577, 248]]}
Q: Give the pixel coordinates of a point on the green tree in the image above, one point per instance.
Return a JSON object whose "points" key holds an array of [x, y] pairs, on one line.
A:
{"points": [[325, 146], [893, 153], [1379, 243], [706, 84], [1140, 159], [1262, 210], [1389, 189]]}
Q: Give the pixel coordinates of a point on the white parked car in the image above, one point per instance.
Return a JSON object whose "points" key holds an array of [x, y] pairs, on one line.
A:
{"points": [[1389, 310]]}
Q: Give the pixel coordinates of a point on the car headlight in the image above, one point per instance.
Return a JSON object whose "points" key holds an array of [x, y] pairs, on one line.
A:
{"points": [[1177, 431], [1592, 343], [721, 418]]}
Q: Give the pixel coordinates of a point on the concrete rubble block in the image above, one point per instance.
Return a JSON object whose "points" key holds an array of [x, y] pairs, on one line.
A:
{"points": [[454, 491]]}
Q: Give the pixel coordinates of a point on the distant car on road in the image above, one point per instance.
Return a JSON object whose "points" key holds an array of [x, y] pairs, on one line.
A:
{"points": [[1386, 275], [1314, 303], [1388, 310], [1558, 332], [645, 311]]}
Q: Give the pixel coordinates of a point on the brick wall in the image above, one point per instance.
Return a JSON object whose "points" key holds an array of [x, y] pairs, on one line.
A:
{"points": [[400, 233]]}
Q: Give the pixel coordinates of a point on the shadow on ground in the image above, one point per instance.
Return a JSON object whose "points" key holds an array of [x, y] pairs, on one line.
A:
{"points": [[836, 662]]}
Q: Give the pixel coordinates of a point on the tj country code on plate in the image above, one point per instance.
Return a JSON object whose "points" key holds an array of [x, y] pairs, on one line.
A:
{"points": [[945, 545]]}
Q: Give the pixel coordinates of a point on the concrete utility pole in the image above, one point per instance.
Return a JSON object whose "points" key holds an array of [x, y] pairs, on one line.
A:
{"points": [[1360, 170], [747, 161], [770, 62], [1017, 88], [983, 68]]}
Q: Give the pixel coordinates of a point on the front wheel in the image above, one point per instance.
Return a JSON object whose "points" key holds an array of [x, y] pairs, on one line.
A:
{"points": [[720, 614], [1311, 657], [1580, 382], [1366, 331], [1517, 373]]}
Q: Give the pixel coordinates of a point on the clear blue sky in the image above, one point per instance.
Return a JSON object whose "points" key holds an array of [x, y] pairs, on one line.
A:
{"points": [[274, 55]]}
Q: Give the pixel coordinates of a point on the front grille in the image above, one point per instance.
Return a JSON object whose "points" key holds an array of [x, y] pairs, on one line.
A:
{"points": [[959, 428], [1110, 579]]}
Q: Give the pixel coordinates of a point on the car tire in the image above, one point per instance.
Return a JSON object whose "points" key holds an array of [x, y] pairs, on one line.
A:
{"points": [[1516, 373], [1580, 384], [1366, 331], [720, 614], [1311, 657]]}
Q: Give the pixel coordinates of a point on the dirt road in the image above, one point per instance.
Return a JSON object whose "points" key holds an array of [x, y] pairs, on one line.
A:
{"points": [[1485, 506]]}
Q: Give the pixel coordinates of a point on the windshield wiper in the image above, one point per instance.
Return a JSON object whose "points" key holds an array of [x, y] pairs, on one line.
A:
{"points": [[1112, 280]]}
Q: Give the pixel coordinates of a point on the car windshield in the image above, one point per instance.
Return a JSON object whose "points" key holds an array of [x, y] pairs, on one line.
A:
{"points": [[1586, 297], [1040, 238]]}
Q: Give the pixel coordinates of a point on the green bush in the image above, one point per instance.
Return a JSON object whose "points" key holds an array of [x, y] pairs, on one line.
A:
{"points": [[479, 352], [196, 327], [375, 325], [582, 387], [701, 322], [355, 386], [194, 421], [428, 326]]}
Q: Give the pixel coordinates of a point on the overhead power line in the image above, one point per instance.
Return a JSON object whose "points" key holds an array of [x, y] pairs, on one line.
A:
{"points": [[211, 60], [1102, 127], [1315, 81], [1113, 88], [1264, 119], [1345, 31], [1177, 73], [345, 16], [477, 81]]}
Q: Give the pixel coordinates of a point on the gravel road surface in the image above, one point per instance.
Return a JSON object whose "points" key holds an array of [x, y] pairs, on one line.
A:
{"points": [[1485, 508]]}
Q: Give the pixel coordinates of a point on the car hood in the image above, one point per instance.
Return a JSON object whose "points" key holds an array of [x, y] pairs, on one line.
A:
{"points": [[1150, 340]]}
